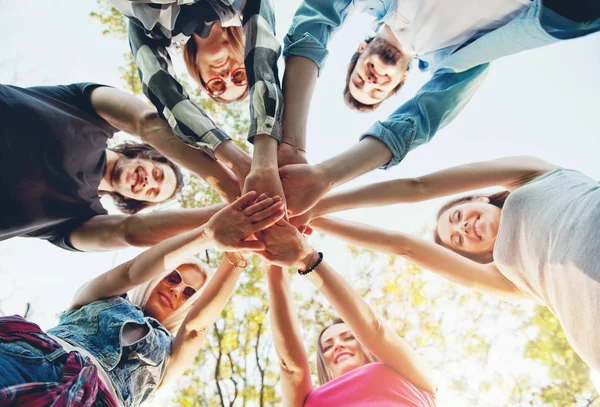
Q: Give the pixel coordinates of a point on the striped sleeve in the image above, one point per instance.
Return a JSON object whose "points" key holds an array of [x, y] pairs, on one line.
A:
{"points": [[261, 55], [190, 123]]}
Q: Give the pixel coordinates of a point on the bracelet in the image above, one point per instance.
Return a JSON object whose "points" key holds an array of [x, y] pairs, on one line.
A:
{"points": [[243, 266], [295, 146], [311, 268]]}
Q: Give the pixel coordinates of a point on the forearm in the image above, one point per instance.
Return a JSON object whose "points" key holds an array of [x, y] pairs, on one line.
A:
{"points": [[299, 82], [361, 158], [378, 194], [152, 228], [237, 160], [213, 299], [295, 372], [362, 235], [265, 153], [200, 319], [284, 322]]}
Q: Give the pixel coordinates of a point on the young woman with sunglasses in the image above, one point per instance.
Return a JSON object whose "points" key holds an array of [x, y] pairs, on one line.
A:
{"points": [[212, 36], [361, 360], [136, 327], [537, 239]]}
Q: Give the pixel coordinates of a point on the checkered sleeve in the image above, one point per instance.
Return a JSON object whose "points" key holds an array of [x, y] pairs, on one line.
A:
{"points": [[261, 55], [189, 122]]}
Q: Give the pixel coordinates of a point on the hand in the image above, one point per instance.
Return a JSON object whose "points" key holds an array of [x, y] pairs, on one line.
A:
{"points": [[247, 215], [302, 222], [264, 181], [303, 186], [286, 247], [287, 155]]}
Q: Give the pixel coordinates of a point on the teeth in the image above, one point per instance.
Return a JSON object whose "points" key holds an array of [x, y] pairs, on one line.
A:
{"points": [[342, 357]]}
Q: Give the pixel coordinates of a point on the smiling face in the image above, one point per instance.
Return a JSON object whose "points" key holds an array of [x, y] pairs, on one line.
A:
{"points": [[341, 351], [470, 227], [143, 179], [168, 297], [220, 66], [380, 68]]}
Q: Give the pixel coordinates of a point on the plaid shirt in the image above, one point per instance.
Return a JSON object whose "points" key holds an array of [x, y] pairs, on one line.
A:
{"points": [[79, 386], [158, 24]]}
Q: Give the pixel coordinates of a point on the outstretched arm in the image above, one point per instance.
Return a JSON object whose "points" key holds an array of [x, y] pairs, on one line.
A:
{"points": [[199, 320], [110, 232], [227, 230], [485, 278], [508, 172], [131, 115], [286, 246], [296, 383]]}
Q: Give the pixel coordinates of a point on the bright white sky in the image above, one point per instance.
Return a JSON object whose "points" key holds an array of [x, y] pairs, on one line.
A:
{"points": [[542, 102]]}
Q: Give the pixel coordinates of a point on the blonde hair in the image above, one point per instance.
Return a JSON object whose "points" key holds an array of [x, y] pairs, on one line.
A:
{"points": [[141, 294], [235, 36], [323, 370]]}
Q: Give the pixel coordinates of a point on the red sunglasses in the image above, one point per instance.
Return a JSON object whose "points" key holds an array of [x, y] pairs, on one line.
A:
{"points": [[174, 279], [217, 86]]}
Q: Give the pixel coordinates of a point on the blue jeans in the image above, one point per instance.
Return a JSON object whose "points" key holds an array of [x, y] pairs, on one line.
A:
{"points": [[21, 362]]}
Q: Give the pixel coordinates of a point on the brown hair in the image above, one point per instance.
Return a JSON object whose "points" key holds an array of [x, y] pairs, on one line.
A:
{"points": [[144, 151], [497, 199], [322, 370], [235, 36], [351, 102]]}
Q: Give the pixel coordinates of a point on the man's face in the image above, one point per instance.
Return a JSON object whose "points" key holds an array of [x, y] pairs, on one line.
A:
{"points": [[143, 179], [379, 69]]}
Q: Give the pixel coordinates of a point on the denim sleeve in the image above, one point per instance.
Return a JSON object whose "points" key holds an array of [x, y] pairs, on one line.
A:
{"points": [[314, 22], [435, 105]]}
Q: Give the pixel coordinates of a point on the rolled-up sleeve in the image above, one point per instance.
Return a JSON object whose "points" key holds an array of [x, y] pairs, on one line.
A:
{"points": [[261, 54], [434, 106], [189, 122], [314, 23]]}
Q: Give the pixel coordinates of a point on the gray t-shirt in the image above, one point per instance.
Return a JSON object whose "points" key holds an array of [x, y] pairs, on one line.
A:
{"points": [[548, 245]]}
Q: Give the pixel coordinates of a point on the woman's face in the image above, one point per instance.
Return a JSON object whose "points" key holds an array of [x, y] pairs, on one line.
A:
{"points": [[470, 227], [341, 350], [217, 60], [168, 297]]}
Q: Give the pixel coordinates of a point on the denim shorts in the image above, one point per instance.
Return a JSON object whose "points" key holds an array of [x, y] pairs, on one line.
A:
{"points": [[21, 362]]}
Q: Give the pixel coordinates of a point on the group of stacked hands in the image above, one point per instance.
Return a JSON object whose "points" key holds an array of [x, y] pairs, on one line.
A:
{"points": [[138, 326]]}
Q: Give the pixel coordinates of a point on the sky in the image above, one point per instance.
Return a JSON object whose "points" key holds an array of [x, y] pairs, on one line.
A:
{"points": [[541, 102]]}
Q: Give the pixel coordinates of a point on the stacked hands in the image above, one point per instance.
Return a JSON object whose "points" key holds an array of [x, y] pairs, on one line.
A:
{"points": [[256, 223]]}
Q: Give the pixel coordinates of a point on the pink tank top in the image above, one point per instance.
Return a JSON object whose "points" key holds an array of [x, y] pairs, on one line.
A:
{"points": [[371, 385]]}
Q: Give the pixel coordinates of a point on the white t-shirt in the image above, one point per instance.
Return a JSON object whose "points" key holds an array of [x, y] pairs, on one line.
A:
{"points": [[424, 26]]}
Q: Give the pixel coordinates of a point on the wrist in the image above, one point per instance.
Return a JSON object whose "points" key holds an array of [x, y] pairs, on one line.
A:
{"points": [[234, 158], [265, 152], [308, 259], [326, 175]]}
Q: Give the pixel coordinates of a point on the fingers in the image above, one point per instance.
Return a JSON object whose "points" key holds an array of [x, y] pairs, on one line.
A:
{"points": [[243, 200], [264, 214], [262, 204], [269, 221]]}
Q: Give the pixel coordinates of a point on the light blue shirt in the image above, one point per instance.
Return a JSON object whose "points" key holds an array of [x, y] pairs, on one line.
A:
{"points": [[457, 70]]}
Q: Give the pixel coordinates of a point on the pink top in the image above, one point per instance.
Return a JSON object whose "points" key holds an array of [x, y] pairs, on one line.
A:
{"points": [[373, 384]]}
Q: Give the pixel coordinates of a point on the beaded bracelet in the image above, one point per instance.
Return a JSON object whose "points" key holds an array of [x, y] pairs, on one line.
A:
{"points": [[311, 268]]}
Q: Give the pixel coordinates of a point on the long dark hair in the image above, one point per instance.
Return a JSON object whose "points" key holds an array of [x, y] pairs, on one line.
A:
{"points": [[497, 199], [144, 151]]}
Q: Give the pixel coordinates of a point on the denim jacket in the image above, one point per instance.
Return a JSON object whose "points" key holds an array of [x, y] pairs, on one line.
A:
{"points": [[457, 70], [135, 370]]}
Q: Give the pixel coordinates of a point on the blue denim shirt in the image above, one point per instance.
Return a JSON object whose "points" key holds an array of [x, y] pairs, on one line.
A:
{"points": [[457, 70], [135, 370]]}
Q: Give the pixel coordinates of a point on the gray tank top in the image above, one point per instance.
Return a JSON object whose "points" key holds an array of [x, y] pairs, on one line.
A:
{"points": [[548, 245]]}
